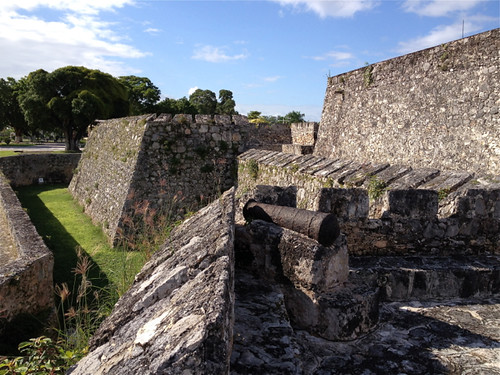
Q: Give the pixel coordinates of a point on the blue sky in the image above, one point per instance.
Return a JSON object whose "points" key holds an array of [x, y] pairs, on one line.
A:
{"points": [[274, 55]]}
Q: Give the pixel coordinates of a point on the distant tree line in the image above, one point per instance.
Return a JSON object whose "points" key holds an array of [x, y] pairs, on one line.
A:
{"points": [[69, 99], [257, 117]]}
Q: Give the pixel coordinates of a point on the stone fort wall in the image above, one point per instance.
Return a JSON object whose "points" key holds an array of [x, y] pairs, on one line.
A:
{"points": [[437, 107], [135, 170]]}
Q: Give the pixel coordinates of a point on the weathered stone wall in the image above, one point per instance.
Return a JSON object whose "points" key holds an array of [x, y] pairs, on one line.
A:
{"points": [[434, 108], [178, 316], [265, 137], [304, 133], [26, 288], [23, 170], [384, 209], [135, 170], [101, 182]]}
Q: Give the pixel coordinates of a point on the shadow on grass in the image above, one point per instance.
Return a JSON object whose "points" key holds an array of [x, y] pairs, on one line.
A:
{"points": [[58, 240]]}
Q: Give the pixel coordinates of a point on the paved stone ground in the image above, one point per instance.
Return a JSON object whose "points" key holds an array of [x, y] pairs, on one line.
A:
{"points": [[7, 249], [450, 337]]}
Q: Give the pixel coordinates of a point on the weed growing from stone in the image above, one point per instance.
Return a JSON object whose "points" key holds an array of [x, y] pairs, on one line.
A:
{"points": [[253, 169], [376, 187]]}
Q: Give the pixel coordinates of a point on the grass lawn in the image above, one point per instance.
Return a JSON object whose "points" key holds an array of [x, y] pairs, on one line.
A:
{"points": [[66, 229], [8, 153]]}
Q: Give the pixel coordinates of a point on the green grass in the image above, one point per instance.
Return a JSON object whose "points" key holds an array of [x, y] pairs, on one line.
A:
{"points": [[66, 229], [8, 153]]}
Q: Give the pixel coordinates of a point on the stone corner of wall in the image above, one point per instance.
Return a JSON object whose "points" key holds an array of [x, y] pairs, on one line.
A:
{"points": [[197, 262]]}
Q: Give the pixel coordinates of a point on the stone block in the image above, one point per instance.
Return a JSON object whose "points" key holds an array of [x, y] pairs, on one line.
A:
{"points": [[203, 119], [297, 149], [344, 314], [276, 252], [347, 204], [281, 196], [222, 119], [240, 120], [410, 204], [182, 119], [178, 315]]}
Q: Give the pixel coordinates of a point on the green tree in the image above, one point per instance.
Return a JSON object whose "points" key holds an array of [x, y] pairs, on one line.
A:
{"points": [[294, 116], [71, 98], [204, 101], [184, 105], [10, 111], [143, 95], [167, 105], [226, 103], [253, 115]]}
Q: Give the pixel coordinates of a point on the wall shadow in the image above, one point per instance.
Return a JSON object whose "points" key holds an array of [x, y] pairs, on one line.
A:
{"points": [[59, 241]]}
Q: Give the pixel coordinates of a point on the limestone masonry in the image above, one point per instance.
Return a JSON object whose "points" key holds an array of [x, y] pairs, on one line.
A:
{"points": [[434, 108], [407, 157], [136, 169]]}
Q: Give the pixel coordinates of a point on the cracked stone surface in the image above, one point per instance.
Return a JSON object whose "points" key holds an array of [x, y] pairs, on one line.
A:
{"points": [[448, 337]]}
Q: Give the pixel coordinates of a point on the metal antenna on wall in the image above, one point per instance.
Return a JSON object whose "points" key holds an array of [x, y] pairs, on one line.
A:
{"points": [[463, 22]]}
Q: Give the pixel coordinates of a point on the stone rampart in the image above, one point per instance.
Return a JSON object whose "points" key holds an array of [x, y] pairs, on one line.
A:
{"points": [[387, 209], [265, 137], [135, 170], [23, 170], [26, 286], [178, 316], [437, 108]]}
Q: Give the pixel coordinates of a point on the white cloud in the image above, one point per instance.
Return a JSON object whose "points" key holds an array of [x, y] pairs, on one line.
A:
{"points": [[335, 55], [330, 8], [438, 8], [80, 6], [216, 54], [192, 89], [152, 31], [78, 37], [272, 79], [444, 33]]}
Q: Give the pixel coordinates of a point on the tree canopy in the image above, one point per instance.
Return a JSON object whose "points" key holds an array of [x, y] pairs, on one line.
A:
{"points": [[70, 99], [202, 102], [226, 103], [294, 116], [143, 95], [256, 117], [10, 111]]}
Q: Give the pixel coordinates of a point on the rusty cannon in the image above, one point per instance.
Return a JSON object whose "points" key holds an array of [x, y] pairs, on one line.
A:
{"points": [[319, 226]]}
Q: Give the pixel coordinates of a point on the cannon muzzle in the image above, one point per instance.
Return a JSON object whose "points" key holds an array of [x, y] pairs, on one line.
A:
{"points": [[319, 226]]}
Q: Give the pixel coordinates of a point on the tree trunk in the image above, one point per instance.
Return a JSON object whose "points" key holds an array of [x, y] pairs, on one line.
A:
{"points": [[19, 135], [71, 139]]}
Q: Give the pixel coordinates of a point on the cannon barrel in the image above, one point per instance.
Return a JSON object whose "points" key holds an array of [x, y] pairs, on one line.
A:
{"points": [[319, 226]]}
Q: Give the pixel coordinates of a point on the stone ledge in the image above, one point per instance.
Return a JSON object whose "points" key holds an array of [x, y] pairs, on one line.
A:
{"points": [[178, 315], [429, 278]]}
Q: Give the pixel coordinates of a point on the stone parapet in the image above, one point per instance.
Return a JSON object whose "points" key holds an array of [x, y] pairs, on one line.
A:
{"points": [[178, 315], [32, 169], [386, 209], [26, 282], [304, 133]]}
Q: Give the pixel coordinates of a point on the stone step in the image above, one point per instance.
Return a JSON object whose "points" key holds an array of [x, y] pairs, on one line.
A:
{"points": [[425, 278]]}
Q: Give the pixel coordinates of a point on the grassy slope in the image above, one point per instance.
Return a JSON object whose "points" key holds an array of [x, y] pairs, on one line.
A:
{"points": [[65, 229]]}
